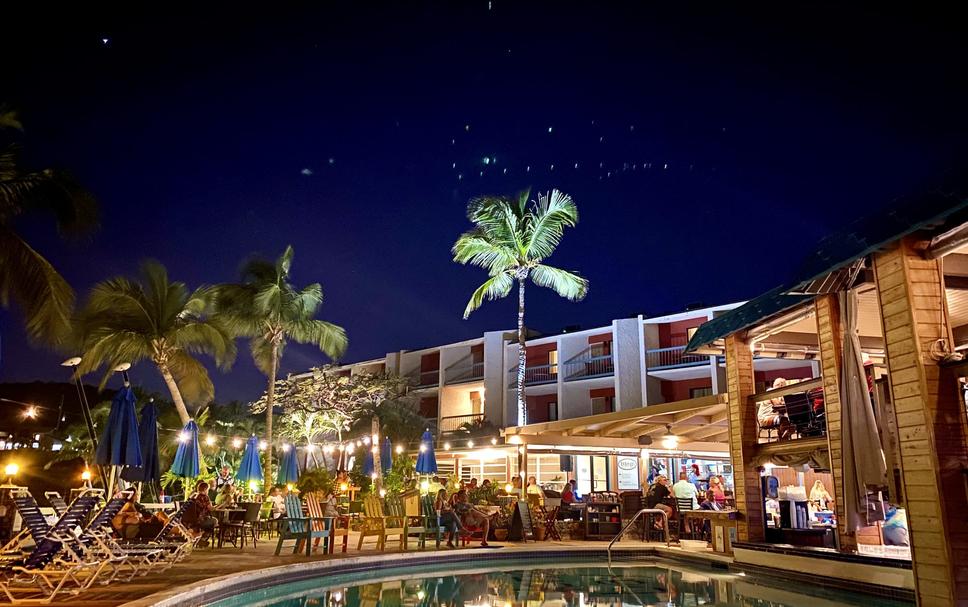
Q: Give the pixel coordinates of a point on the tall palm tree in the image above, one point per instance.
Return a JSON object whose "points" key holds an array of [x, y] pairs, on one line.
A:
{"points": [[157, 320], [266, 308], [510, 239], [26, 277]]}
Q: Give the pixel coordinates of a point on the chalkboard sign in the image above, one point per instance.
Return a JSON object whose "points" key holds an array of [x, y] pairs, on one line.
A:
{"points": [[521, 526]]}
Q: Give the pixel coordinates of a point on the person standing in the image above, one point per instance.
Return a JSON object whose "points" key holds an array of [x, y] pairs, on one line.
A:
{"points": [[223, 478]]}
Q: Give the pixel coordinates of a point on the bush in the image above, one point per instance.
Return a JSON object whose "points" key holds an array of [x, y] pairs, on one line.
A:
{"points": [[317, 480]]}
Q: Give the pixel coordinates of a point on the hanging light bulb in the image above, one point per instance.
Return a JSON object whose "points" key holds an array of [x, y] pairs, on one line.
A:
{"points": [[182, 437], [423, 447], [383, 492], [350, 447], [373, 476], [263, 445], [236, 443], [470, 444], [342, 447], [670, 441], [366, 440], [493, 441], [399, 449], [285, 447], [209, 440], [310, 447], [446, 446]]}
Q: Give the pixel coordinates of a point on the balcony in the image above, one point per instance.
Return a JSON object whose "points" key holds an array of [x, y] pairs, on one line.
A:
{"points": [[464, 370], [424, 379], [586, 367], [534, 375], [673, 357], [458, 423]]}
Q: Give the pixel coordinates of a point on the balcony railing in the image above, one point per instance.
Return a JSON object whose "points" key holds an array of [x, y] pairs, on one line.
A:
{"points": [[666, 358], [589, 366], [453, 423], [424, 379], [464, 371], [534, 375]]}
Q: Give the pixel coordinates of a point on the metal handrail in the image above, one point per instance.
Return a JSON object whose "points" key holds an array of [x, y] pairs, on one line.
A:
{"points": [[665, 527]]}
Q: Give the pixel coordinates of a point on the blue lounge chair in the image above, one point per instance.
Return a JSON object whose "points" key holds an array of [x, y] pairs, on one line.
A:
{"points": [[301, 528]]}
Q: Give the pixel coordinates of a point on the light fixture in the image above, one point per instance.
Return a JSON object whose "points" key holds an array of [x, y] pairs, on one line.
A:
{"points": [[253, 486], [263, 445], [515, 440], [373, 476], [11, 470], [31, 412], [236, 442], [421, 594], [446, 446], [470, 443], [72, 362], [508, 488], [425, 486], [383, 492], [182, 437], [399, 449], [366, 440], [670, 441], [493, 441], [86, 475], [209, 440], [285, 447], [423, 448], [343, 487], [288, 486]]}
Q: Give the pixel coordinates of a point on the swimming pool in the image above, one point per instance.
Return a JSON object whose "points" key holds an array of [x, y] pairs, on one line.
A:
{"points": [[532, 583]]}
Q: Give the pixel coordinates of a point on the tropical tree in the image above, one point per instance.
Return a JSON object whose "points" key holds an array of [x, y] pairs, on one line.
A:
{"points": [[266, 308], [510, 239], [26, 277], [158, 320]]}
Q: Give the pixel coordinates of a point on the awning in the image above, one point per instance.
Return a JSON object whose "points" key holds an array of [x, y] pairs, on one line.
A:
{"points": [[751, 313], [701, 424]]}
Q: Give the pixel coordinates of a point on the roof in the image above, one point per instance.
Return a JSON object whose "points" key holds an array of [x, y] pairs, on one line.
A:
{"points": [[859, 238]]}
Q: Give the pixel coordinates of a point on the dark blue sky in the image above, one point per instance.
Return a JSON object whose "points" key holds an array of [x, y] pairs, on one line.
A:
{"points": [[714, 146]]}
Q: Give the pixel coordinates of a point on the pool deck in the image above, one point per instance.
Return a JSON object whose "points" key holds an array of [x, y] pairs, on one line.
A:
{"points": [[207, 564]]}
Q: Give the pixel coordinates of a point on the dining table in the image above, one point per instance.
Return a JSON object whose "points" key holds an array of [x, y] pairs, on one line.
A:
{"points": [[224, 516]]}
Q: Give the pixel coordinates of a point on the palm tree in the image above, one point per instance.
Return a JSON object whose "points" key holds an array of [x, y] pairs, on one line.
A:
{"points": [[157, 320], [510, 239], [26, 277], [266, 308]]}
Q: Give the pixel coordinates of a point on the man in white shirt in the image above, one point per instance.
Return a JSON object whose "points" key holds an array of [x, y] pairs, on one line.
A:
{"points": [[684, 490]]}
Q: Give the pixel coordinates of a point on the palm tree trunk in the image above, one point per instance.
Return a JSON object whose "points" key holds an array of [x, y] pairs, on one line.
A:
{"points": [[270, 403], [522, 357], [176, 396], [375, 448]]}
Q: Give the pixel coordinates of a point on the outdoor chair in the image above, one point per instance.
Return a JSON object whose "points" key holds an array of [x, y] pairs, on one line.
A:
{"points": [[246, 527], [35, 525], [378, 523], [427, 524], [551, 522], [683, 505], [337, 526], [298, 527], [56, 502]]}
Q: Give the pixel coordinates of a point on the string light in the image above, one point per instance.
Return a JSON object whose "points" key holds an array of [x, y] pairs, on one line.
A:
{"points": [[383, 493], [31, 412], [470, 444], [209, 440], [263, 445], [446, 446], [399, 449], [86, 475], [423, 448], [183, 437], [285, 447], [373, 476], [236, 442], [366, 440], [493, 441]]}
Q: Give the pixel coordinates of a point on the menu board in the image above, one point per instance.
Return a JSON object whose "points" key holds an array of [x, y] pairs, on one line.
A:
{"points": [[628, 472]]}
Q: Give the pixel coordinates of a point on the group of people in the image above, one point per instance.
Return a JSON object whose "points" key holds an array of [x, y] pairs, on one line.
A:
{"points": [[662, 497], [459, 517]]}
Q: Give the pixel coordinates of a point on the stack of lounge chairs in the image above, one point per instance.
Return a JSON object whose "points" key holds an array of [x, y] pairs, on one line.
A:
{"points": [[45, 561]]}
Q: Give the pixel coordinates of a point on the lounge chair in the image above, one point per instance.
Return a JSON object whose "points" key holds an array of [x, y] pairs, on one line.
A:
{"points": [[56, 564], [299, 527], [427, 524], [56, 502], [35, 526], [381, 523]]}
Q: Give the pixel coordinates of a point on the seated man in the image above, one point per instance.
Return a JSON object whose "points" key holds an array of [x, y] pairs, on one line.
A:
{"points": [[770, 414], [471, 516], [197, 516]]}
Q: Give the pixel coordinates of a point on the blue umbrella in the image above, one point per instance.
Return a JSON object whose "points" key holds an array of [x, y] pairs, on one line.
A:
{"points": [[368, 463], [386, 460], [150, 472], [120, 445], [186, 458], [251, 468], [426, 461], [288, 468]]}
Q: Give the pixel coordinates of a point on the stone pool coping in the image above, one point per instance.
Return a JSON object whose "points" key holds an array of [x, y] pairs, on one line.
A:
{"points": [[225, 586]]}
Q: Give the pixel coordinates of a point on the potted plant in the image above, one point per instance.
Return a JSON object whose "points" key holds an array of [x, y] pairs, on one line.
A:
{"points": [[501, 522]]}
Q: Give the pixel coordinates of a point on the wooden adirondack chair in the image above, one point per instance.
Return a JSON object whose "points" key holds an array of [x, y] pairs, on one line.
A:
{"points": [[337, 526], [299, 527], [378, 523], [427, 523]]}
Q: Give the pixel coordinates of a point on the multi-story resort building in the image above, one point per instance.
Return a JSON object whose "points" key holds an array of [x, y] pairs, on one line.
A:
{"points": [[590, 395]]}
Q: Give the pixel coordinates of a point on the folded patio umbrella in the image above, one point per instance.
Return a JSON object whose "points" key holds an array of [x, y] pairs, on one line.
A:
{"points": [[251, 468], [186, 463], [368, 462], [386, 459], [426, 460], [150, 471], [120, 444], [288, 468]]}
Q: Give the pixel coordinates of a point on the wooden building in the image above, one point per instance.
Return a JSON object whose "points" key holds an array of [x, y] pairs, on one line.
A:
{"points": [[898, 282]]}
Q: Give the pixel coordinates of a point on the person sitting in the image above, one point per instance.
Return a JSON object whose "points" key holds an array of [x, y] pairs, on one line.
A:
{"points": [[819, 496], [473, 484], [446, 516], [134, 520], [771, 415], [471, 516], [718, 490], [486, 484], [226, 498], [223, 478], [683, 490], [278, 501], [709, 502], [197, 516], [660, 498]]}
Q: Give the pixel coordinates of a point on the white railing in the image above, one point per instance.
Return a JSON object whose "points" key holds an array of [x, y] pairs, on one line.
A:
{"points": [[661, 358], [589, 366]]}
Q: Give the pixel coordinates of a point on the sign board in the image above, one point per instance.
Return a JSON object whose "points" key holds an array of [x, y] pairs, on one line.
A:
{"points": [[521, 526], [628, 472]]}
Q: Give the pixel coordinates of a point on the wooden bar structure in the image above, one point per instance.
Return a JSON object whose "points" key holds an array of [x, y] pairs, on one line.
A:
{"points": [[896, 276]]}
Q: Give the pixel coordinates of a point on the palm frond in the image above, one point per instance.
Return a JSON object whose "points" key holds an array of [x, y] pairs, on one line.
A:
{"points": [[493, 288], [476, 248], [553, 212], [206, 337], [192, 378], [328, 337], [30, 281], [567, 284]]}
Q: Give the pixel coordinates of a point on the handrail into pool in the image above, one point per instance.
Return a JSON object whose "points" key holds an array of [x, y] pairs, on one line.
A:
{"points": [[665, 528]]}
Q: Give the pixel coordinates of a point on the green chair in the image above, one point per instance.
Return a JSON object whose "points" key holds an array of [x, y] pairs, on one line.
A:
{"points": [[379, 522], [429, 523], [301, 528]]}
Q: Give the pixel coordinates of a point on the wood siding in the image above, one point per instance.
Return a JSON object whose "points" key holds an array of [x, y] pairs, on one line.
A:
{"points": [[743, 433], [930, 424]]}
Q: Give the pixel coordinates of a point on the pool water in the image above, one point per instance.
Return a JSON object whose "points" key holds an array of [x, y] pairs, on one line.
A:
{"points": [[535, 584]]}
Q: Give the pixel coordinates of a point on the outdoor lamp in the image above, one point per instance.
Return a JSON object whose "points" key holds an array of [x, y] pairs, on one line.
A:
{"points": [[399, 449], [285, 447], [344, 487], [366, 440], [470, 443], [182, 437], [493, 441], [289, 486], [423, 448], [253, 486], [425, 485], [508, 488], [263, 445], [383, 492], [236, 442], [421, 594], [446, 446], [31, 412], [373, 476], [209, 440], [11, 471], [670, 441]]}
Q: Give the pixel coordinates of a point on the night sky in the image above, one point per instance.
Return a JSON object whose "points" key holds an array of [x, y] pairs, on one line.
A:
{"points": [[707, 148]]}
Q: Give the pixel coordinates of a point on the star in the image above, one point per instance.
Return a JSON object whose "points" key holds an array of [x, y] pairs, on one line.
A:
{"points": [[307, 172], [106, 41], [331, 160]]}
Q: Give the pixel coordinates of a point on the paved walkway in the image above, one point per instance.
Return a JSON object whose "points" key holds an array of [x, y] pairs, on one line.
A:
{"points": [[207, 563]]}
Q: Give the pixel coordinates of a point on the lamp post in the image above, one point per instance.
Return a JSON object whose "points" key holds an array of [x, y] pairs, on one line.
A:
{"points": [[11, 471], [73, 363]]}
